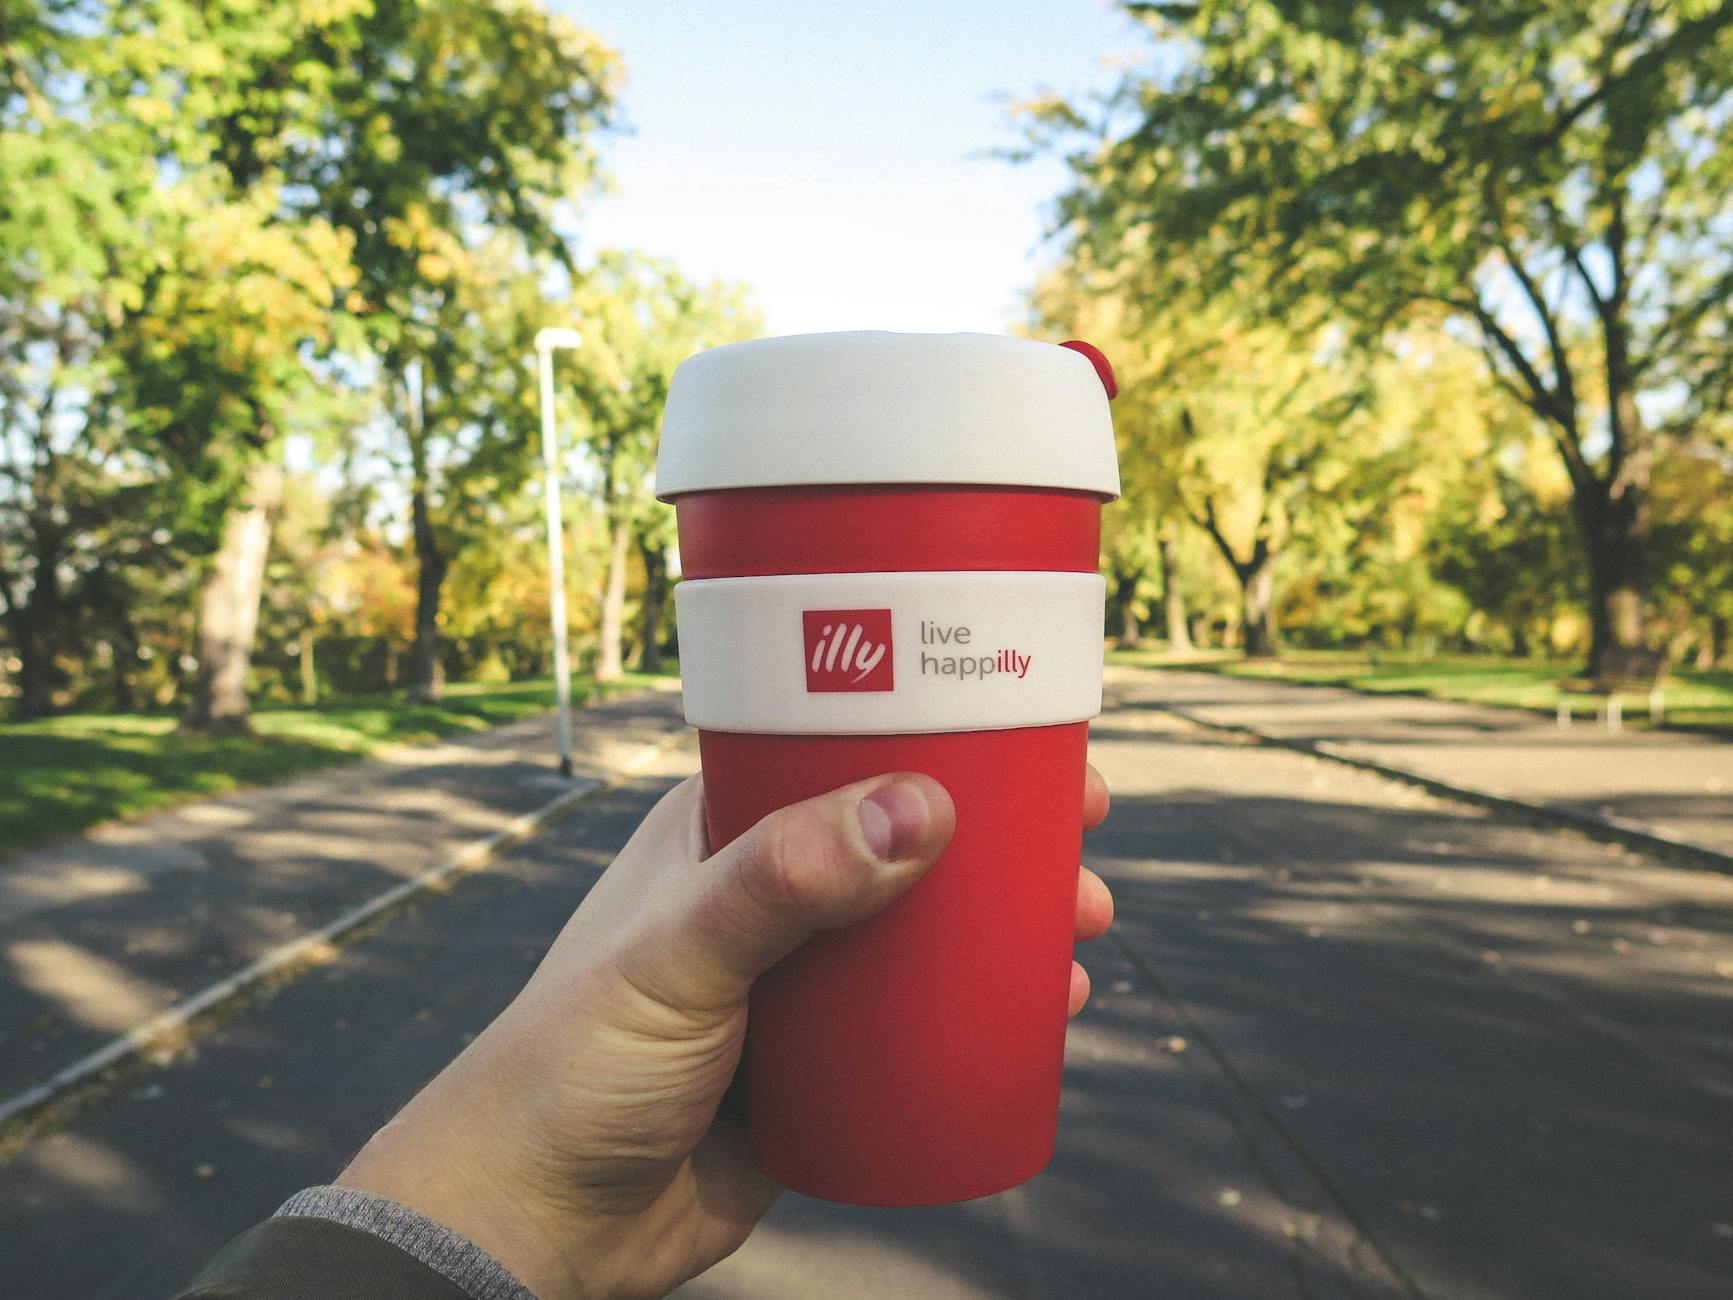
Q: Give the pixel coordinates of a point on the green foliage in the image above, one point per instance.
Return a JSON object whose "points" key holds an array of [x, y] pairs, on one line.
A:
{"points": [[213, 367], [1548, 175], [444, 119], [459, 422], [496, 608], [1505, 540], [226, 225], [640, 318], [1694, 552], [1392, 153], [1301, 449]]}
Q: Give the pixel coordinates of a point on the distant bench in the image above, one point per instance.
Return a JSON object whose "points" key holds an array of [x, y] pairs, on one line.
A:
{"points": [[1620, 669]]}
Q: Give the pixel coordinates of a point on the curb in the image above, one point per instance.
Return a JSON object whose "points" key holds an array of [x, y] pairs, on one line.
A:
{"points": [[307, 947], [1608, 828]]}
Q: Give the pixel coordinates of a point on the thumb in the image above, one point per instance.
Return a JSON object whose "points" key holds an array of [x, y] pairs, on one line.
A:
{"points": [[811, 867]]}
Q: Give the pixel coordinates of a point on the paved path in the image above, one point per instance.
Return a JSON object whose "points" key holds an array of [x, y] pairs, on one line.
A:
{"points": [[1348, 1041], [1676, 782], [102, 932]]}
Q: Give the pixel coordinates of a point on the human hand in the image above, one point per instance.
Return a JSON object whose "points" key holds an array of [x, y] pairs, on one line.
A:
{"points": [[582, 1139]]}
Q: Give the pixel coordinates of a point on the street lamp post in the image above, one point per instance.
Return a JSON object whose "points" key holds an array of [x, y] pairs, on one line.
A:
{"points": [[546, 341]]}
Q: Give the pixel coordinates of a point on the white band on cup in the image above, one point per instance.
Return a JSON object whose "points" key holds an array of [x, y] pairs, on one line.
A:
{"points": [[878, 653]]}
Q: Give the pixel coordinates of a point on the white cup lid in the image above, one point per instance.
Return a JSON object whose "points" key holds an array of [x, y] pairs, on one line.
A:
{"points": [[876, 407]]}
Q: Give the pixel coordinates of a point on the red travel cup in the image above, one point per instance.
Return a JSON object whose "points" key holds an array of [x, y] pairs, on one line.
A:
{"points": [[889, 545]]}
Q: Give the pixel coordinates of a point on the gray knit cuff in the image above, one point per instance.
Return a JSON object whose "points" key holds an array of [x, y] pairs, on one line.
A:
{"points": [[457, 1259]]}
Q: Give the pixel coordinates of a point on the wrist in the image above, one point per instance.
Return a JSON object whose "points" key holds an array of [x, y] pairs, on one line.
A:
{"points": [[434, 1159]]}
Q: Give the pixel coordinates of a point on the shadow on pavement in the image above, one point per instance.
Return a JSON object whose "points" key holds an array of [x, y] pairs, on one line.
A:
{"points": [[1510, 1053], [1345, 1042]]}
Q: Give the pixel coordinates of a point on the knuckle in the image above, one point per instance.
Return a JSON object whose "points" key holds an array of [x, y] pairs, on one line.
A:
{"points": [[798, 861]]}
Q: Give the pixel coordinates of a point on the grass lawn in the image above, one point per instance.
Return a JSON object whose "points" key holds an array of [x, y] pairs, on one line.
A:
{"points": [[1695, 700], [61, 775]]}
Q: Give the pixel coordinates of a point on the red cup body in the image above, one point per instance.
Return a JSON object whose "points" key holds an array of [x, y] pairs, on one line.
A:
{"points": [[914, 1058]]}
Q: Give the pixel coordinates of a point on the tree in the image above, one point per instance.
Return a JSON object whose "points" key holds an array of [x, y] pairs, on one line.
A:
{"points": [[655, 540], [1501, 536], [1139, 530], [301, 587], [1551, 172], [1694, 551], [1433, 438], [1249, 477], [72, 184], [1313, 458], [416, 134], [454, 433], [1240, 428], [165, 304], [453, 125], [215, 370], [640, 318], [1173, 600], [151, 317]]}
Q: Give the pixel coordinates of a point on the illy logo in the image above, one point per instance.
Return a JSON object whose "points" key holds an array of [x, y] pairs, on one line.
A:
{"points": [[848, 649]]}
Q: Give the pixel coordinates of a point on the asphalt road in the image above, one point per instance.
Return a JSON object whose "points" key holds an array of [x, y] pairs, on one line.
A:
{"points": [[103, 931], [1347, 1041], [1674, 784]]}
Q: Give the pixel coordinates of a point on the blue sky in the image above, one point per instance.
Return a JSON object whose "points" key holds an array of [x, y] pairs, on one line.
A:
{"points": [[827, 154]]}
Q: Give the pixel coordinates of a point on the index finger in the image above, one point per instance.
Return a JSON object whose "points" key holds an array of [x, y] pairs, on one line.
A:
{"points": [[1094, 798]]}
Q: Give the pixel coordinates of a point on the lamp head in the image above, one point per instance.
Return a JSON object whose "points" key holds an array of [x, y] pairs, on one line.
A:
{"points": [[555, 337]]}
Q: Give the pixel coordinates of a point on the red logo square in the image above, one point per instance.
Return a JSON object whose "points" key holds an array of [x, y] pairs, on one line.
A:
{"points": [[848, 649]]}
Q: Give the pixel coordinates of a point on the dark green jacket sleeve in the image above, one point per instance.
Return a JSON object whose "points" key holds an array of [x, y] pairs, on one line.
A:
{"points": [[296, 1258]]}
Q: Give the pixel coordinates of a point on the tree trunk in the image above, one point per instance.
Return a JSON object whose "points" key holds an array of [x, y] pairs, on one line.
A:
{"points": [[35, 622], [427, 679], [1129, 631], [1615, 551], [125, 659], [1257, 579], [1613, 512], [610, 665], [655, 559], [1257, 603], [309, 669], [1125, 584], [37, 674], [229, 609], [1703, 653], [427, 664], [1172, 598]]}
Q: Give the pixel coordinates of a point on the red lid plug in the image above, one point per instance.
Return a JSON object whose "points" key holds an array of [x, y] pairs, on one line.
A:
{"points": [[1098, 359]]}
